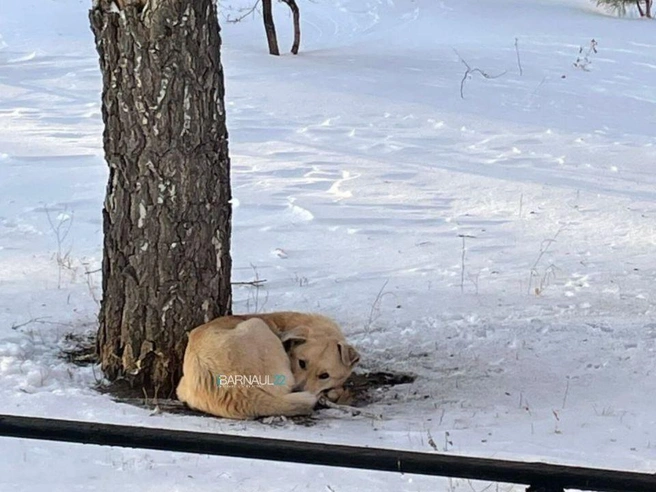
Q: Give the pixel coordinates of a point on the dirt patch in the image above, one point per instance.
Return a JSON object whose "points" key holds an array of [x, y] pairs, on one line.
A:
{"points": [[81, 350], [361, 386]]}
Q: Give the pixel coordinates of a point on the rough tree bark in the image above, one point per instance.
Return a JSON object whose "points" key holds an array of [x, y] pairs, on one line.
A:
{"points": [[167, 213]]}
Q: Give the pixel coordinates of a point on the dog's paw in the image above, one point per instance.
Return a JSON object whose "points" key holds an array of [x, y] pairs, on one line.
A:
{"points": [[275, 420], [341, 396], [304, 401]]}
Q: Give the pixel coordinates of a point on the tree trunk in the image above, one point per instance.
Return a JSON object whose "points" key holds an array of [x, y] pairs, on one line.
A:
{"points": [[297, 24], [648, 8], [167, 213], [642, 13], [270, 27]]}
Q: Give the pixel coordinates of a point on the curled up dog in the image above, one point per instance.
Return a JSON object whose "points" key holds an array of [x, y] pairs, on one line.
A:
{"points": [[253, 366]]}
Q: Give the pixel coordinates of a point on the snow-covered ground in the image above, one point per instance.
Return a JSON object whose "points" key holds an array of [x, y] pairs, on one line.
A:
{"points": [[499, 245]]}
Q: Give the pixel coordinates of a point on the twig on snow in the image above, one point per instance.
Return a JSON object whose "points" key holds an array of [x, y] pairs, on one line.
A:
{"points": [[254, 283], [519, 61], [470, 71], [29, 322], [354, 412]]}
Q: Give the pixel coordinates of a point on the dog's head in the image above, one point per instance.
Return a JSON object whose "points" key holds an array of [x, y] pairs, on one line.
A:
{"points": [[320, 364]]}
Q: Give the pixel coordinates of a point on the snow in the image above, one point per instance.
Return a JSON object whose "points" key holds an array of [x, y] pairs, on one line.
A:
{"points": [[498, 245]]}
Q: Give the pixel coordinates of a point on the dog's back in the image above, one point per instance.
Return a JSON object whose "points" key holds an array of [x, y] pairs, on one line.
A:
{"points": [[218, 353], [281, 321]]}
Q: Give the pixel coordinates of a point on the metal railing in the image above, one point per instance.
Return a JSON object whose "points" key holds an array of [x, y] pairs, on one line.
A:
{"points": [[540, 477]]}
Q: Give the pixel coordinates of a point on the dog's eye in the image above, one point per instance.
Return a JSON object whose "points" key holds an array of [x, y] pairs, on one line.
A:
{"points": [[324, 375], [301, 364]]}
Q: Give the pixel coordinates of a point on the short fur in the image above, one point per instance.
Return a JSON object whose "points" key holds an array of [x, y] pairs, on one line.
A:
{"points": [[249, 348], [317, 341], [255, 344]]}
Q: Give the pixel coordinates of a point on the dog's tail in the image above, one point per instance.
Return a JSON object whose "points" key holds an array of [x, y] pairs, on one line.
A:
{"points": [[260, 403], [197, 384]]}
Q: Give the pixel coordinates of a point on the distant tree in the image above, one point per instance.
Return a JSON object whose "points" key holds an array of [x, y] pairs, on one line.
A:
{"points": [[620, 6], [269, 26], [296, 14]]}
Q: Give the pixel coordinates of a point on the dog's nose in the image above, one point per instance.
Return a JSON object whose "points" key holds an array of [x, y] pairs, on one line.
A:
{"points": [[298, 387]]}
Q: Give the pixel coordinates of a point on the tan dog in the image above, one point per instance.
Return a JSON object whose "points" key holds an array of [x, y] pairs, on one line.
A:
{"points": [[240, 372], [321, 359]]}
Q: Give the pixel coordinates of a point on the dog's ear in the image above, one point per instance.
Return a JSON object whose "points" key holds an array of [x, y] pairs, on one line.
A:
{"points": [[349, 355], [293, 337]]}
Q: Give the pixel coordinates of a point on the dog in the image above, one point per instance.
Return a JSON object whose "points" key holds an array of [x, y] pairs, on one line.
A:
{"points": [[240, 372], [317, 355], [321, 359]]}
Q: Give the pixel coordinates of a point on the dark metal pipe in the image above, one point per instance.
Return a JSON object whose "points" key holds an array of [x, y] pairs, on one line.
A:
{"points": [[540, 476]]}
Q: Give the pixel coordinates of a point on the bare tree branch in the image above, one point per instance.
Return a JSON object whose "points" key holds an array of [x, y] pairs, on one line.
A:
{"points": [[243, 13]]}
